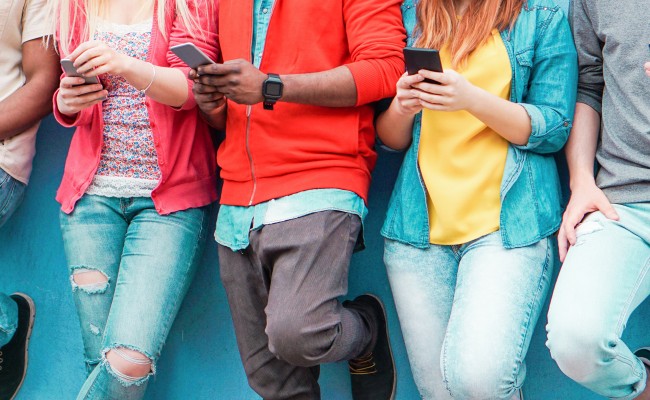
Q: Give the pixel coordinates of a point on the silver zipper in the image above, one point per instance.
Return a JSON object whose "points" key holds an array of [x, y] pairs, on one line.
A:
{"points": [[249, 108]]}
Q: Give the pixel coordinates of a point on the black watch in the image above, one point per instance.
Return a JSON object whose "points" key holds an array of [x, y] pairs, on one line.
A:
{"points": [[272, 90]]}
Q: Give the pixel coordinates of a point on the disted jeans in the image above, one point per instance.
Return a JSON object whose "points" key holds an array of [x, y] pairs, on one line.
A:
{"points": [[468, 313], [11, 195], [603, 280], [149, 261]]}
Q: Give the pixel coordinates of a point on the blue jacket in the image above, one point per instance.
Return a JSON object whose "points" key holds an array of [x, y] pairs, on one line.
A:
{"points": [[544, 70]]}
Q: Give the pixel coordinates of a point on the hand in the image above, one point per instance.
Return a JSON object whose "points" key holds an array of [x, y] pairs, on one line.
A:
{"points": [[74, 96], [406, 100], [452, 94], [585, 199], [647, 68], [207, 97], [238, 80], [95, 58]]}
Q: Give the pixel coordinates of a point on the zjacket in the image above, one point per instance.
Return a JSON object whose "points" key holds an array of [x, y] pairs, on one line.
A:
{"points": [[295, 147]]}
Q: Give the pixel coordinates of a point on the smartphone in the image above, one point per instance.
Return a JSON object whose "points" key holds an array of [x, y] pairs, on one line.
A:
{"points": [[417, 59], [191, 55], [70, 70]]}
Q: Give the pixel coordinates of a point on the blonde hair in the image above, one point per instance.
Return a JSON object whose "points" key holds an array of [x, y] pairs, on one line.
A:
{"points": [[438, 25], [67, 14]]}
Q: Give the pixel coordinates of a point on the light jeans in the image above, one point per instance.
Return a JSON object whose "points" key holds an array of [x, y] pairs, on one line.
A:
{"points": [[603, 280], [11, 195], [149, 260], [468, 313]]}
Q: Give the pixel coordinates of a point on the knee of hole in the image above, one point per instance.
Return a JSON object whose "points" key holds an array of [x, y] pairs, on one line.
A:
{"points": [[130, 363], [89, 277]]}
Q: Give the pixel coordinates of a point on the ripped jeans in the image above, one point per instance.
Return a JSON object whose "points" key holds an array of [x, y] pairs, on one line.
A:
{"points": [[603, 280], [147, 262]]}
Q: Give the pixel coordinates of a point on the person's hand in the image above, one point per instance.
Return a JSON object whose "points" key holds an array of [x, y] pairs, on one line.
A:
{"points": [[74, 96], [407, 101], [207, 97], [647, 68], [585, 198], [95, 58], [238, 80], [453, 92]]}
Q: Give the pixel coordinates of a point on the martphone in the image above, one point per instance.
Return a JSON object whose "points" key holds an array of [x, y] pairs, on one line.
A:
{"points": [[70, 70], [417, 59], [191, 55]]}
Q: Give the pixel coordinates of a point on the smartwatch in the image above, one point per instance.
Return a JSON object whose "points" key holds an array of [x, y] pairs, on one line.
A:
{"points": [[272, 90]]}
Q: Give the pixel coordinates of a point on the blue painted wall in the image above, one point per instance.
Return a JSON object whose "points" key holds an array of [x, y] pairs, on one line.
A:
{"points": [[200, 360]]}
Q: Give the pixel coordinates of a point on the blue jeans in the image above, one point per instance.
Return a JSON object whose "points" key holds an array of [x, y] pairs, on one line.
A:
{"points": [[149, 261], [468, 313], [603, 280], [11, 195]]}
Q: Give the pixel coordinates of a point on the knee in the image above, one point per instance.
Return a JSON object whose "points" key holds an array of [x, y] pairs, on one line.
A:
{"points": [[474, 377], [579, 351], [129, 365], [292, 341]]}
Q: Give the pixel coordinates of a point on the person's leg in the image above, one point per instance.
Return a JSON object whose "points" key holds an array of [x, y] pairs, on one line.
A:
{"points": [[603, 279], [306, 325], [283, 294], [423, 283], [93, 239], [246, 282], [160, 256], [16, 311], [309, 258], [8, 318], [498, 298], [11, 195]]}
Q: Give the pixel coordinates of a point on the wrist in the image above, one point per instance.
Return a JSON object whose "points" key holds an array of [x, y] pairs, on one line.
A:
{"points": [[474, 98], [129, 67], [581, 179]]}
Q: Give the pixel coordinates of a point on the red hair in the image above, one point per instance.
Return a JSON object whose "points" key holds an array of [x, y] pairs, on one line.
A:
{"points": [[438, 24]]}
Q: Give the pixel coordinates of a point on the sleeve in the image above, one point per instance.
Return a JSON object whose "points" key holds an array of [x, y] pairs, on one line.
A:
{"points": [[376, 37], [551, 97], [205, 38], [590, 57], [35, 20]]}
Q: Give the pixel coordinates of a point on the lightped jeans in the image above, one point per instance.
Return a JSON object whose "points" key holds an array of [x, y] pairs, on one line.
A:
{"points": [[468, 313], [603, 280], [11, 195], [149, 260]]}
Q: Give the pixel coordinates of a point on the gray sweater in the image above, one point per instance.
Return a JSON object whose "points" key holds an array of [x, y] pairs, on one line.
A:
{"points": [[612, 39]]}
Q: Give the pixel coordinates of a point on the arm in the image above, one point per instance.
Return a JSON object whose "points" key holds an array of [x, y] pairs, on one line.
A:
{"points": [[454, 93], [394, 126], [31, 102], [580, 150], [242, 82], [165, 85], [375, 39], [586, 197]]}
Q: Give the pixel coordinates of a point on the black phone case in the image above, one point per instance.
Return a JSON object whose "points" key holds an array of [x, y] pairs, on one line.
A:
{"points": [[417, 59]]}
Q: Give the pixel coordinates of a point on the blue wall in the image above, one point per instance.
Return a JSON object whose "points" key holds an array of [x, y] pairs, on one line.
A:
{"points": [[200, 360]]}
